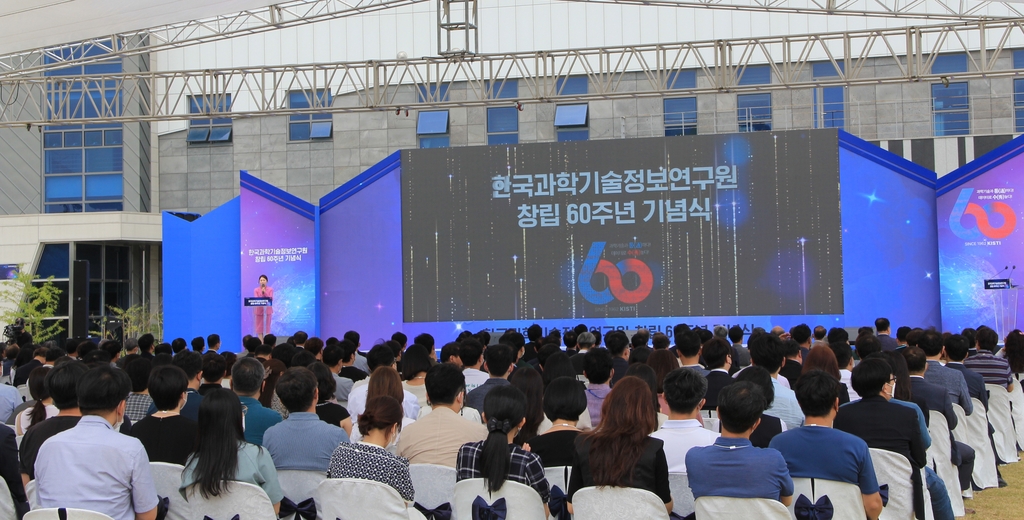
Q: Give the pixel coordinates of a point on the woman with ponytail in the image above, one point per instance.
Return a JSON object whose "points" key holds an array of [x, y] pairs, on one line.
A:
{"points": [[43, 407], [497, 459], [379, 426]]}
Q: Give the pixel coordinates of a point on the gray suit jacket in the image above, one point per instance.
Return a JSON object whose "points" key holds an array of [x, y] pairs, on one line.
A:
{"points": [[888, 342], [954, 383]]}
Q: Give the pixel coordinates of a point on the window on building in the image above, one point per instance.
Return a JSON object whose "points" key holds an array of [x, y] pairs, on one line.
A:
{"points": [[432, 129], [437, 93], [950, 63], [1018, 59], [951, 109], [214, 129], [571, 122], [829, 103], [502, 125], [1018, 105], [504, 89], [682, 79], [754, 75], [754, 112], [571, 86], [83, 164], [109, 277], [310, 127], [681, 116]]}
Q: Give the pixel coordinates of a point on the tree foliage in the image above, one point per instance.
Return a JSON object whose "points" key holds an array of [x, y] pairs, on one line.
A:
{"points": [[34, 302]]}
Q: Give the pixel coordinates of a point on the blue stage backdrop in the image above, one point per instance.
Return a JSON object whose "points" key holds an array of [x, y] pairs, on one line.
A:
{"points": [[200, 276], [978, 210]]}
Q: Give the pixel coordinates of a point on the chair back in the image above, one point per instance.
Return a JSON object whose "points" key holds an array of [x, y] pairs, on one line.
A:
{"points": [[716, 508], [54, 513], [299, 486], [434, 484], [167, 478], [25, 394], [1000, 415], [973, 431], [844, 498], [682, 495], [939, 459], [1017, 410], [616, 503], [356, 498], [558, 480], [894, 470], [7, 509], [558, 476], [246, 500], [522, 501], [710, 420]]}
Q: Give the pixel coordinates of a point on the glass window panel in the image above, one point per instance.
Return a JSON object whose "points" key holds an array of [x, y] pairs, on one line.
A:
{"points": [[432, 122], [825, 69], [54, 261], [572, 85], [1018, 59], [93, 253], [437, 92], [64, 161], [56, 139], [950, 63], [755, 75], [103, 187], [508, 89], [62, 301], [319, 130], [322, 117], [59, 189], [103, 160], [565, 136], [117, 262], [95, 298], [63, 208], [72, 139], [299, 117], [298, 99], [112, 137], [220, 134], [682, 79], [198, 134], [503, 119], [494, 139], [680, 116], [195, 105], [115, 294], [952, 97], [221, 121], [435, 142], [298, 131], [104, 206], [94, 138], [198, 122], [571, 115]]}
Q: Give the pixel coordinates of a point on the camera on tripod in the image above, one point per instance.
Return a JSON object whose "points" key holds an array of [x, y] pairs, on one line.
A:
{"points": [[12, 331]]}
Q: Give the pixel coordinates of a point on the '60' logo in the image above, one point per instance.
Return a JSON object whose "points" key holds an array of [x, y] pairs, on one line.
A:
{"points": [[616, 290], [983, 226]]}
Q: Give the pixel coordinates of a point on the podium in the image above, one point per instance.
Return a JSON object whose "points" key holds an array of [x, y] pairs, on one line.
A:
{"points": [[1006, 304], [262, 313]]}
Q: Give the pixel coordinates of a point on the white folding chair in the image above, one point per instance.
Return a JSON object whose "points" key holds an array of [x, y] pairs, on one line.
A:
{"points": [[717, 508], [999, 415], [246, 500], [25, 394], [53, 513], [167, 478], [710, 420], [558, 476], [1017, 410], [434, 484], [616, 503], [938, 459], [299, 486], [972, 430], [522, 501], [30, 492], [357, 499], [682, 495], [846, 499], [7, 509], [894, 470]]}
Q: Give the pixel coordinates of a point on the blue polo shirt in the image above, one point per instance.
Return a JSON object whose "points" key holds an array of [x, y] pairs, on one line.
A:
{"points": [[257, 419], [827, 453], [735, 468]]}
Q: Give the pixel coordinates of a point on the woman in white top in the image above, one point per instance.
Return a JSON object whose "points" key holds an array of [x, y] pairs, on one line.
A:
{"points": [[42, 409], [415, 363]]}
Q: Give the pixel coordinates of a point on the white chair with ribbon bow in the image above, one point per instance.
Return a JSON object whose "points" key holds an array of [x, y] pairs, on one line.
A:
{"points": [[514, 501]]}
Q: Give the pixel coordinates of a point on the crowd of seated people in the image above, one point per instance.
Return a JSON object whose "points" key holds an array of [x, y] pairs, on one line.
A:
{"points": [[741, 420]]}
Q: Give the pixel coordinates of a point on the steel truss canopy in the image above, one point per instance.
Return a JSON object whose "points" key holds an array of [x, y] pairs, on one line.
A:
{"points": [[912, 9], [613, 72]]}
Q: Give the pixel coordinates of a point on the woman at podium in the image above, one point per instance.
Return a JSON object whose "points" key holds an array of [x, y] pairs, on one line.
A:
{"points": [[263, 314]]}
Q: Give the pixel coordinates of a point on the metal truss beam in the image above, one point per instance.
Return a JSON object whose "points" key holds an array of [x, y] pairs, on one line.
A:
{"points": [[280, 16], [910, 9], [861, 58]]}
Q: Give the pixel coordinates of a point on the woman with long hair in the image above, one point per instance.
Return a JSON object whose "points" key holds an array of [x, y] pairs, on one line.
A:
{"points": [[497, 458], [43, 407], [663, 362], [379, 426], [221, 454], [647, 375], [327, 409], [388, 383], [564, 403], [531, 384], [415, 364], [822, 358], [1014, 352], [620, 452]]}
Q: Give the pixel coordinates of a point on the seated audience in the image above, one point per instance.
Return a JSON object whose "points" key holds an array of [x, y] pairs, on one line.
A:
{"points": [[646, 374], [471, 355], [994, 370], [214, 367], [450, 354], [139, 401], [768, 352], [770, 426], [794, 362], [585, 341], [415, 363], [718, 356], [662, 362], [109, 471], [29, 358], [192, 364], [385, 381], [618, 346], [531, 384], [952, 380], [844, 358], [302, 441], [818, 451], [379, 356], [688, 348], [327, 410], [9, 471], [247, 382], [436, 437], [221, 453], [597, 368], [620, 451], [565, 401], [62, 383], [379, 425], [956, 352], [331, 357], [499, 360], [42, 408], [684, 393], [167, 435], [821, 357], [732, 466], [558, 365]]}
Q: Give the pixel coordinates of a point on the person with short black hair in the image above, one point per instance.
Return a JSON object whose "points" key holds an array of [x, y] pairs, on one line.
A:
{"points": [[62, 383], [302, 441], [883, 331], [598, 370], [818, 451], [684, 394], [565, 402], [732, 466], [213, 342], [471, 354], [426, 340], [844, 358], [167, 436], [769, 352], [139, 400], [332, 357], [450, 354], [110, 471], [956, 351], [993, 369], [415, 364], [794, 361], [435, 438], [499, 367], [952, 380], [688, 348], [192, 364], [214, 368], [247, 379], [618, 346], [198, 344], [146, 342]]}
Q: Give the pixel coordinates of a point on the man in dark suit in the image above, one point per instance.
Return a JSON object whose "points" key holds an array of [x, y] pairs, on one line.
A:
{"points": [[794, 362], [956, 351], [884, 332], [9, 470], [618, 345], [718, 355]]}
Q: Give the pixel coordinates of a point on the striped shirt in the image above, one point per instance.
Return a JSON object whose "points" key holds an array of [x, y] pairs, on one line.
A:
{"points": [[996, 371]]}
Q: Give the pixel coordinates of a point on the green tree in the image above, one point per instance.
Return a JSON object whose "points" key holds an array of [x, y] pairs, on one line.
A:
{"points": [[21, 298], [138, 320]]}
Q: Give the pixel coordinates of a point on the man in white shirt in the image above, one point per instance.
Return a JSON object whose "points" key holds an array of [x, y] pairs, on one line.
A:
{"points": [[379, 356], [844, 356], [767, 351], [471, 352], [684, 393]]}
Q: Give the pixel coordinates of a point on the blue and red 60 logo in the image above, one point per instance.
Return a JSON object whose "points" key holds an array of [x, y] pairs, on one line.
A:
{"points": [[983, 225], [616, 290]]}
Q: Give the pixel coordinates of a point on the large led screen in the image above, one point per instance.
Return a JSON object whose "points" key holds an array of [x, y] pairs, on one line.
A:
{"points": [[706, 225]]}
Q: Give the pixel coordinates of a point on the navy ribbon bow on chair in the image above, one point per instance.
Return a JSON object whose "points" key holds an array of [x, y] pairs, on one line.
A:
{"points": [[557, 503], [495, 511], [883, 491], [441, 512], [820, 510], [305, 509]]}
